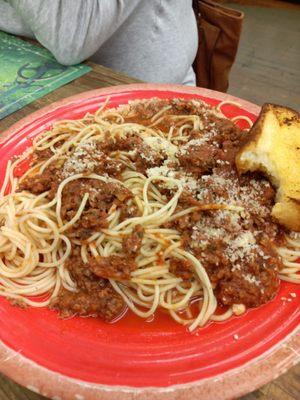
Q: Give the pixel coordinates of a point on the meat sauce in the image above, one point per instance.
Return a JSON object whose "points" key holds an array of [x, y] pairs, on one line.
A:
{"points": [[94, 297], [237, 250]]}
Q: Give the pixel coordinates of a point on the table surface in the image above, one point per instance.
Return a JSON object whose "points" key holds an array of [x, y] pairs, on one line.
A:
{"points": [[286, 387]]}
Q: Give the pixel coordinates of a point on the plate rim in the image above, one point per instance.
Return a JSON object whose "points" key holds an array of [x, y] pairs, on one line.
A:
{"points": [[258, 371]]}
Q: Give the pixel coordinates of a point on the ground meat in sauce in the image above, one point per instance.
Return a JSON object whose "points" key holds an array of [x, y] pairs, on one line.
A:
{"points": [[128, 211], [141, 154], [40, 183], [114, 267], [90, 221], [236, 249], [199, 159], [132, 243], [110, 167], [94, 296], [102, 303], [228, 140], [181, 268], [128, 143], [238, 274], [252, 282], [102, 196], [43, 155]]}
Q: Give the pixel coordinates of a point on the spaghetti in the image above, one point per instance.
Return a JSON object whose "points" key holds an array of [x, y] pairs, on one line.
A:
{"points": [[141, 206]]}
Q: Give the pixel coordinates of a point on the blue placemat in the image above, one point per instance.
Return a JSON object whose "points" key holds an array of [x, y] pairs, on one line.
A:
{"points": [[28, 72]]}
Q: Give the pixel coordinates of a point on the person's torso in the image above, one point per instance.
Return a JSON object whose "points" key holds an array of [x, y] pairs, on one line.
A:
{"points": [[157, 43]]}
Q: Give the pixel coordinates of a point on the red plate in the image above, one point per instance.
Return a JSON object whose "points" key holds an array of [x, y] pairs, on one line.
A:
{"points": [[84, 358]]}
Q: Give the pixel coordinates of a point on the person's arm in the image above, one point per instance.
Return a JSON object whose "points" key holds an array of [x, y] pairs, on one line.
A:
{"points": [[73, 30], [11, 22]]}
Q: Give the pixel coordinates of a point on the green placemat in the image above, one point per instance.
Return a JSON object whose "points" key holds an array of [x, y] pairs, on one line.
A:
{"points": [[28, 72]]}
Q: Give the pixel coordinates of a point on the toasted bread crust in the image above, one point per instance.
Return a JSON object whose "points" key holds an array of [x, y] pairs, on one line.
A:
{"points": [[273, 148], [287, 213]]}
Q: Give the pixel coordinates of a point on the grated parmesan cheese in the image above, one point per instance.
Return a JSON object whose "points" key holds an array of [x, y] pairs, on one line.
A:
{"points": [[163, 170], [159, 145], [242, 247], [147, 157], [188, 182], [197, 142], [84, 159]]}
